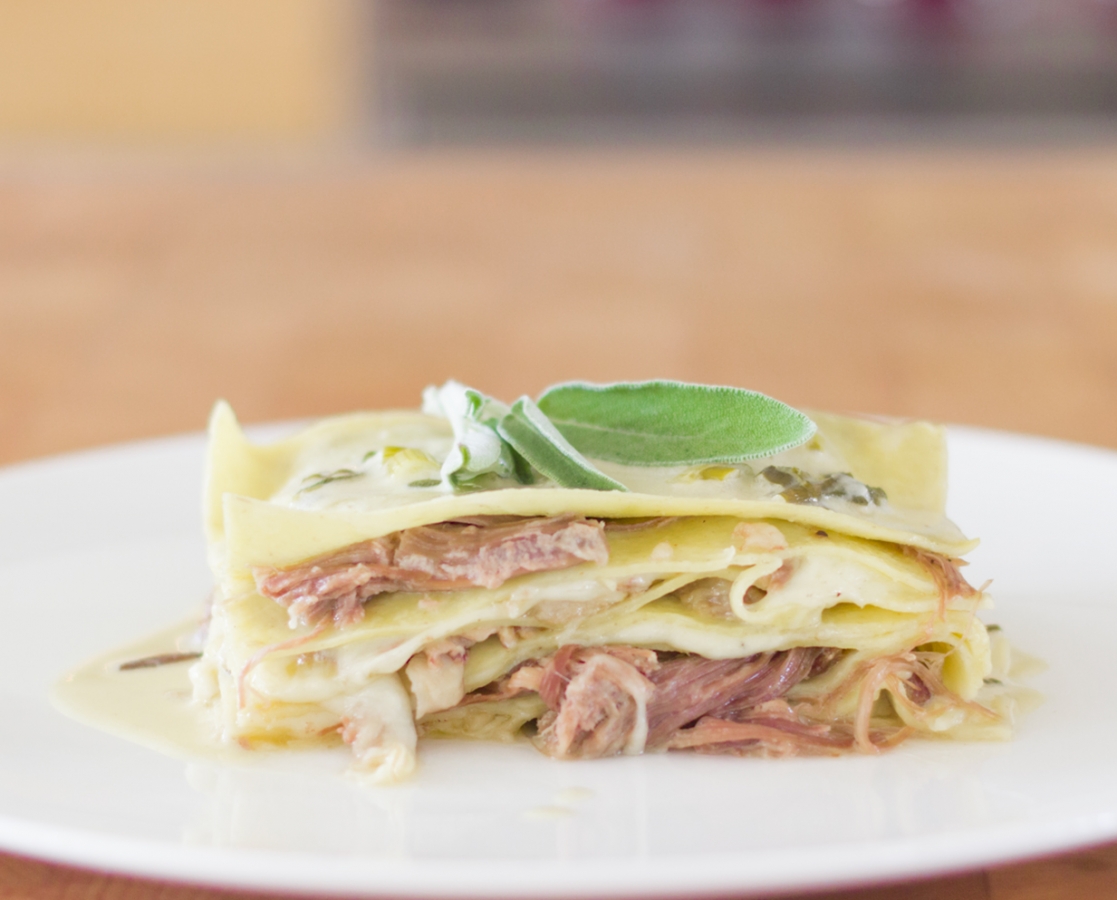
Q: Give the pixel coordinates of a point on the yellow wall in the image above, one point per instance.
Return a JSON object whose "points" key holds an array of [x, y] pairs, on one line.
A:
{"points": [[192, 70]]}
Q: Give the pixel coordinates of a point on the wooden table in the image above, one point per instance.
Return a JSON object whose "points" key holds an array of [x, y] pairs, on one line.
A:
{"points": [[962, 285]]}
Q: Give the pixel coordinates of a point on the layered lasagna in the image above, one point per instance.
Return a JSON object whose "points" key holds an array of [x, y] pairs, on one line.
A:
{"points": [[810, 602]]}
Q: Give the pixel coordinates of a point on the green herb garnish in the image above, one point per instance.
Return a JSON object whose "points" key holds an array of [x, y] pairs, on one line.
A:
{"points": [[801, 488], [651, 423], [670, 423], [478, 449], [318, 479], [533, 436]]}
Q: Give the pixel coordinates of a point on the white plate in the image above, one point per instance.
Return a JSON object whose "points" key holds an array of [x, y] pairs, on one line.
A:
{"points": [[98, 549]]}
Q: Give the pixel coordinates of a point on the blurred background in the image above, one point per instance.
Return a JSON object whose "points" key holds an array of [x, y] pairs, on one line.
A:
{"points": [[906, 207], [428, 72], [898, 206], [572, 70]]}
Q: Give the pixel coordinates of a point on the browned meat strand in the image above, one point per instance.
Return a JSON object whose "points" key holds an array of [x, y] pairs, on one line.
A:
{"points": [[690, 687], [946, 573], [561, 668], [773, 728], [489, 555], [445, 557], [595, 697]]}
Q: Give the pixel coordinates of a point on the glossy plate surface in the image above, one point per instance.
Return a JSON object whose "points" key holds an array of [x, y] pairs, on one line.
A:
{"points": [[98, 549]]}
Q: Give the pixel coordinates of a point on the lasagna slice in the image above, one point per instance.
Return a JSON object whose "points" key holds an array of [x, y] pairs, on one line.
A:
{"points": [[812, 602]]}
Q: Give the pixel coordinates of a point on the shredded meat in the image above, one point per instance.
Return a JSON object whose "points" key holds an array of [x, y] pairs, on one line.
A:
{"points": [[445, 557], [560, 669], [827, 656], [597, 699], [947, 575], [776, 728], [488, 555], [690, 687], [912, 680], [603, 701], [609, 700], [772, 728]]}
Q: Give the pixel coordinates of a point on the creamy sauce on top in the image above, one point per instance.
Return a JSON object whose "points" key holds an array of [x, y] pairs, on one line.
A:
{"points": [[150, 706], [364, 470]]}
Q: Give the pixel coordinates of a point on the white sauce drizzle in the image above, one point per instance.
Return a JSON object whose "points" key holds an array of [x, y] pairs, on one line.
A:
{"points": [[150, 706]]}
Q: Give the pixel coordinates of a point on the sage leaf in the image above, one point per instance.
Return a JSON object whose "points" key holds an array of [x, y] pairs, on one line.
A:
{"points": [[533, 436], [478, 450], [671, 423]]}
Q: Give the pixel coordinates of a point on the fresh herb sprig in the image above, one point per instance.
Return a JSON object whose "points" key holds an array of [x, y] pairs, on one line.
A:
{"points": [[534, 437], [478, 451], [670, 423], [651, 423]]}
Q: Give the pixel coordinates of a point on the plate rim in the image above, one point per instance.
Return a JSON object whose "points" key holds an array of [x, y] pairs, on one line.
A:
{"points": [[282, 871]]}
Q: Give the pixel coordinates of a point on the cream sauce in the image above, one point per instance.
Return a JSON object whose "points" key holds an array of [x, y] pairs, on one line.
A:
{"points": [[150, 706], [345, 470], [153, 706]]}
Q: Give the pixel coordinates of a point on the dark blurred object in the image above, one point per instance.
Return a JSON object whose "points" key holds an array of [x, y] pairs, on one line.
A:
{"points": [[576, 69]]}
